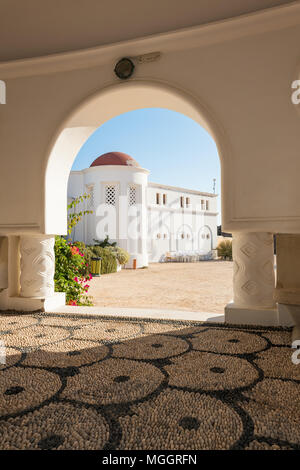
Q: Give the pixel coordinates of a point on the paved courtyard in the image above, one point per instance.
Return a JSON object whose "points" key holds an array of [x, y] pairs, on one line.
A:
{"points": [[74, 382], [201, 287]]}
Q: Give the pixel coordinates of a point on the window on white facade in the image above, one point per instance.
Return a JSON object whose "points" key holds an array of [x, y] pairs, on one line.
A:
{"points": [[90, 200], [187, 202], [164, 199], [132, 196], [110, 194], [157, 198], [182, 201], [202, 205], [207, 205]]}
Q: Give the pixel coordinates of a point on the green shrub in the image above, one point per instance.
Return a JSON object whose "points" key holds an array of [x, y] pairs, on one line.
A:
{"points": [[108, 258], [225, 250], [71, 274], [122, 255]]}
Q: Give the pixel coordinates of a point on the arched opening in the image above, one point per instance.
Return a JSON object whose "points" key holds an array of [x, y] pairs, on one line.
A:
{"points": [[105, 105], [76, 130]]}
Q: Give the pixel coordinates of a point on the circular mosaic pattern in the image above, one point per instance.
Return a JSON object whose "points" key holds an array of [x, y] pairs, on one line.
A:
{"points": [[257, 445], [101, 384], [206, 371], [278, 361], [100, 331], [64, 322], [278, 337], [180, 420], [274, 416], [15, 322], [22, 388], [76, 383], [228, 342], [151, 347], [72, 352], [35, 336], [55, 427]]}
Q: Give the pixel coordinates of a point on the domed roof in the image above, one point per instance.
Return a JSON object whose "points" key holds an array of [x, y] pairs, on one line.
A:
{"points": [[115, 158]]}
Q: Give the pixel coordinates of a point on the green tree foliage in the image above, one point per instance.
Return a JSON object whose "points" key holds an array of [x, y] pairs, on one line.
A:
{"points": [[225, 250]]}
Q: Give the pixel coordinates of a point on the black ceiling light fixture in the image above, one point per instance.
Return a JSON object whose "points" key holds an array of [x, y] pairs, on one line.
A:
{"points": [[124, 68]]}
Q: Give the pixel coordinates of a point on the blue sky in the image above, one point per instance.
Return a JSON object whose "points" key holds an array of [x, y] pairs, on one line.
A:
{"points": [[175, 149]]}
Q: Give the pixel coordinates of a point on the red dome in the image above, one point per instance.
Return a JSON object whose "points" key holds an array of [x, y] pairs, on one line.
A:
{"points": [[115, 158]]}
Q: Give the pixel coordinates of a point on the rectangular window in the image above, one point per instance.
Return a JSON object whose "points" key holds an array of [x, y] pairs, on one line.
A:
{"points": [[202, 205], [157, 198], [132, 196], [182, 201], [187, 202], [207, 205], [90, 200], [110, 194], [164, 199]]}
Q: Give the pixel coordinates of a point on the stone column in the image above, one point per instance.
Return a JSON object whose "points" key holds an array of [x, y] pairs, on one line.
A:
{"points": [[253, 280], [3, 263], [37, 266], [287, 292]]}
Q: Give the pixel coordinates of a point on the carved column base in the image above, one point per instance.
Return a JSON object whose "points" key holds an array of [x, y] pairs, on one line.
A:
{"points": [[253, 280], [37, 266], [250, 316]]}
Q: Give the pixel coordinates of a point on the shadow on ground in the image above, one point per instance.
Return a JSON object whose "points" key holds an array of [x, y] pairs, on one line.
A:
{"points": [[101, 383]]}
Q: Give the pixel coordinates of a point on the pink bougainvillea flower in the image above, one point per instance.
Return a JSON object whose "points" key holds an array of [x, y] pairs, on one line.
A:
{"points": [[76, 279]]}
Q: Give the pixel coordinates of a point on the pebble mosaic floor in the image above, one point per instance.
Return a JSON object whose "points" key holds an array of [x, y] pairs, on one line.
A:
{"points": [[100, 383]]}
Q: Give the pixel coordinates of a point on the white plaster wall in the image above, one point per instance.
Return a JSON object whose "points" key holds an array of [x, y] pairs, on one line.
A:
{"points": [[168, 222], [116, 221], [234, 77]]}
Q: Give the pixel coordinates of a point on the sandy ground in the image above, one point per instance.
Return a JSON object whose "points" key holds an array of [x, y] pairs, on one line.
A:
{"points": [[201, 287]]}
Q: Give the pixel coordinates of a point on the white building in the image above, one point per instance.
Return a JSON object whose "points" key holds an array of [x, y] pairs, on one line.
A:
{"points": [[147, 219]]}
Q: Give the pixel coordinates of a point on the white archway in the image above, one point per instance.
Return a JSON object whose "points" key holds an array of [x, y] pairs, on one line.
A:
{"points": [[101, 107]]}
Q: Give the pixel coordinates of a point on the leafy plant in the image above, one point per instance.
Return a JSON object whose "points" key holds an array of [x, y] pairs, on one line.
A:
{"points": [[225, 250], [70, 273], [122, 255], [75, 217], [105, 243]]}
